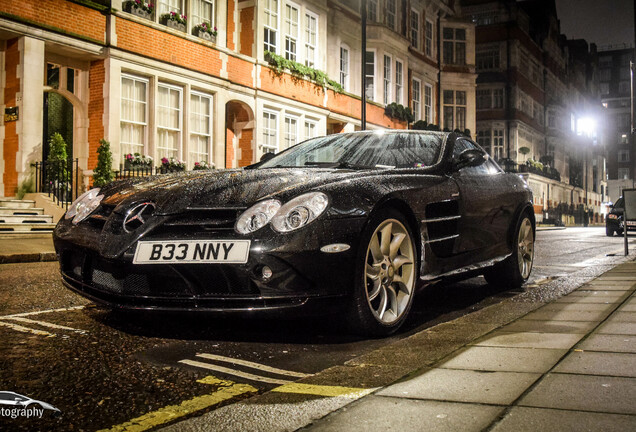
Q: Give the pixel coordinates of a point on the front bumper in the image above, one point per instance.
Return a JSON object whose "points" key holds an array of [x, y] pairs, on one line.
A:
{"points": [[304, 279]]}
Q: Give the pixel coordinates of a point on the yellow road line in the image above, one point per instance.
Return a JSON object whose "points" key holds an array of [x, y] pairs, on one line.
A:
{"points": [[173, 412], [322, 390]]}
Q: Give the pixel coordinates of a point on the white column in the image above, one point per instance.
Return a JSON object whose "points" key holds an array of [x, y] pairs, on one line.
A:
{"points": [[30, 104]]}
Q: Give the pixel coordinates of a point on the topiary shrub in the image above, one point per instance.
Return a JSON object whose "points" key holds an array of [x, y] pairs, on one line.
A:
{"points": [[103, 173]]}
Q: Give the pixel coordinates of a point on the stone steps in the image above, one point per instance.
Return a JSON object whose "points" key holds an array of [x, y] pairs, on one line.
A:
{"points": [[25, 219], [21, 216], [14, 203], [21, 211], [26, 227]]}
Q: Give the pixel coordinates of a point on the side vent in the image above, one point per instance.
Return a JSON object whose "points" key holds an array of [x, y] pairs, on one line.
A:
{"points": [[442, 226]]}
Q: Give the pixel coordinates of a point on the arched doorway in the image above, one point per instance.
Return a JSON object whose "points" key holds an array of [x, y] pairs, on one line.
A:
{"points": [[58, 110], [239, 139]]}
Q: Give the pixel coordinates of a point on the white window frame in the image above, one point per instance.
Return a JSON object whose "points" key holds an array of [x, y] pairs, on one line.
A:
{"points": [[497, 143], [372, 8], [428, 103], [310, 125], [291, 137], [288, 28], [391, 14], [167, 6], [194, 154], [428, 38], [311, 47], [194, 21], [366, 76], [269, 28], [179, 130], [344, 67], [144, 145], [388, 70], [266, 146], [416, 98], [399, 81], [415, 30]]}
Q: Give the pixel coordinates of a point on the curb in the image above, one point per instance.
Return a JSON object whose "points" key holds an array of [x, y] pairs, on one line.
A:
{"points": [[29, 257]]}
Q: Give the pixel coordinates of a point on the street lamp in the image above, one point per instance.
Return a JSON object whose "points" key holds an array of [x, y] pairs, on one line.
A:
{"points": [[586, 126]]}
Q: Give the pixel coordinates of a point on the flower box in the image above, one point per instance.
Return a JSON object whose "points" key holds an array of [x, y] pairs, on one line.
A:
{"points": [[131, 7], [173, 24], [132, 166], [205, 35]]}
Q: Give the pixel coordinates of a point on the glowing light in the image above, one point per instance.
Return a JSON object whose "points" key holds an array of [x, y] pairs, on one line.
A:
{"points": [[586, 126]]}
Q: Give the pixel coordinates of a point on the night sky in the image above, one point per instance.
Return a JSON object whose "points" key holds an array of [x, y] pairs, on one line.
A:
{"points": [[604, 22]]}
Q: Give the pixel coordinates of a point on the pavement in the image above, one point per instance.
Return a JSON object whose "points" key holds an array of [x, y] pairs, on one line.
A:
{"points": [[518, 365]]}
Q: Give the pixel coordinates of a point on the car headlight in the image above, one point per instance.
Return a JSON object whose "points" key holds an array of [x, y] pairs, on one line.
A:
{"points": [[84, 205], [257, 216], [300, 211], [612, 216]]}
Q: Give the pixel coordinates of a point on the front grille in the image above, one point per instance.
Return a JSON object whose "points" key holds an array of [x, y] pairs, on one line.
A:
{"points": [[183, 281], [203, 219]]}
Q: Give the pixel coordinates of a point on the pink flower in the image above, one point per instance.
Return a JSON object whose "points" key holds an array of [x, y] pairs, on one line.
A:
{"points": [[164, 160]]}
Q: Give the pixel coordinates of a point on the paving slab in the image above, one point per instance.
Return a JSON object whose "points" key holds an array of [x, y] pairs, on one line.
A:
{"points": [[589, 299], [377, 413], [606, 286], [504, 359], [584, 393], [537, 326], [463, 386], [524, 419], [564, 307], [599, 293], [617, 328], [598, 363], [547, 315], [503, 338], [609, 343], [629, 307], [621, 316]]}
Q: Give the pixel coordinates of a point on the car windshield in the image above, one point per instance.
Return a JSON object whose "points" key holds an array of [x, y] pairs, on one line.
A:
{"points": [[362, 150]]}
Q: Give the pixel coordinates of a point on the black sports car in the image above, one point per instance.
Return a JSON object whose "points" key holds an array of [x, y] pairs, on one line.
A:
{"points": [[614, 220], [347, 222]]}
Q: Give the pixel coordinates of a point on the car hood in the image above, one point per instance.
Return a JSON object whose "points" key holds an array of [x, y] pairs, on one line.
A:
{"points": [[222, 188]]}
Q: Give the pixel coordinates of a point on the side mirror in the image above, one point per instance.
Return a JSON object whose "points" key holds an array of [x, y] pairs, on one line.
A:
{"points": [[470, 158]]}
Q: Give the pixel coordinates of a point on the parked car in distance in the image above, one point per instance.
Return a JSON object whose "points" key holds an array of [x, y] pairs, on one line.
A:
{"points": [[348, 223], [614, 219]]}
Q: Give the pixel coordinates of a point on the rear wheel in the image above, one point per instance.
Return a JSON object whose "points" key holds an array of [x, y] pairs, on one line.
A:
{"points": [[515, 270], [386, 276]]}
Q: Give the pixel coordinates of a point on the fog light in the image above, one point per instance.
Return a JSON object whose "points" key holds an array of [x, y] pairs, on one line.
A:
{"points": [[266, 273], [335, 248]]}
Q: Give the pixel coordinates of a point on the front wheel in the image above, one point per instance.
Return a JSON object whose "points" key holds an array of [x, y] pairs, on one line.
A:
{"points": [[609, 232], [386, 276], [515, 270]]}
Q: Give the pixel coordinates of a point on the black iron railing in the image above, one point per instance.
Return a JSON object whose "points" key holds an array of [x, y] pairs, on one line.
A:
{"points": [[510, 166], [58, 179]]}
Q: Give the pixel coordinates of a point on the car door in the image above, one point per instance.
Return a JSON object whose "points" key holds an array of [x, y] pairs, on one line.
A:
{"points": [[485, 211]]}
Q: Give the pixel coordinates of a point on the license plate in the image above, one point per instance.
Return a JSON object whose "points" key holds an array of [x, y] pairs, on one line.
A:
{"points": [[192, 252], [631, 223]]}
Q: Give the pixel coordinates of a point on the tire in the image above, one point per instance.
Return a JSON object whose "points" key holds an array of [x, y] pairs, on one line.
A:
{"points": [[609, 231], [515, 270], [386, 276]]}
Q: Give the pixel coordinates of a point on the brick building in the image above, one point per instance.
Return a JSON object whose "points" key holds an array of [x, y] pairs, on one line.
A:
{"points": [[93, 69], [615, 85], [537, 97]]}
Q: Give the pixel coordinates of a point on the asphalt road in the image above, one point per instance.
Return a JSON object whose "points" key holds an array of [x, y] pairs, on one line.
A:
{"points": [[104, 369]]}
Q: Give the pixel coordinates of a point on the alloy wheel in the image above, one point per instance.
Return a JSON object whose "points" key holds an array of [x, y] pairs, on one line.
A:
{"points": [[390, 271], [525, 248]]}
